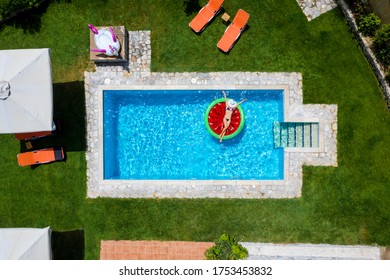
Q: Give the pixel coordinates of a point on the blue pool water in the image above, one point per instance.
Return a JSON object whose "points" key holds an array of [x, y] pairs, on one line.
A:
{"points": [[160, 135]]}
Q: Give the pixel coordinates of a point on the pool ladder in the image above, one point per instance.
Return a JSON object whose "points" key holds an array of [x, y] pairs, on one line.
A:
{"points": [[296, 134]]}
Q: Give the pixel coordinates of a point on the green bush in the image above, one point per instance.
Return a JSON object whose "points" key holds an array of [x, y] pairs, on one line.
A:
{"points": [[360, 8], [226, 248], [10, 7], [368, 24], [388, 77], [382, 44]]}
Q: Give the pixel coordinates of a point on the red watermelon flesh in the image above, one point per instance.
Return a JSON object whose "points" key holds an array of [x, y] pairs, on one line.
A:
{"points": [[216, 116]]}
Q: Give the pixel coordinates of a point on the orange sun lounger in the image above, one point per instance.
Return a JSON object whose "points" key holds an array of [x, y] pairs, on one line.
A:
{"points": [[205, 15], [41, 156], [233, 31]]}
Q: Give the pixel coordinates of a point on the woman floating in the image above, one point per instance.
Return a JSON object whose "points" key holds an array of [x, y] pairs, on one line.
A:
{"points": [[231, 105]]}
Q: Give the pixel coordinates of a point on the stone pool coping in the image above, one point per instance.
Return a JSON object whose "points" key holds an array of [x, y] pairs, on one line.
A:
{"points": [[294, 158]]}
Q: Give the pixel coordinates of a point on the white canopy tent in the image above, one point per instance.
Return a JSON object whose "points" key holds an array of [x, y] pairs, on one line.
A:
{"points": [[26, 91], [25, 244]]}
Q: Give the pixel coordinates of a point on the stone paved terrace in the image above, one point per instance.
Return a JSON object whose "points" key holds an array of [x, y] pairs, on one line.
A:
{"points": [[152, 250], [136, 74], [315, 8]]}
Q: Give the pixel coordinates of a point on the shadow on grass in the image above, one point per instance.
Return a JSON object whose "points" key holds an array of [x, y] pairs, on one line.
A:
{"points": [[29, 19], [191, 6], [68, 245], [69, 110]]}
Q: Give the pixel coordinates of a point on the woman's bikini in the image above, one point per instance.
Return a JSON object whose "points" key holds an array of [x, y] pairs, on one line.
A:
{"points": [[229, 109]]}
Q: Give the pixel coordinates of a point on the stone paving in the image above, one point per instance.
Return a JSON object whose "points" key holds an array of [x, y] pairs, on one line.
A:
{"points": [[271, 251], [315, 8], [187, 250], [136, 74], [152, 250]]}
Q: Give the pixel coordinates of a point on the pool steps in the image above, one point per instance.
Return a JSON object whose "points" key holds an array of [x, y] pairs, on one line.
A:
{"points": [[296, 134]]}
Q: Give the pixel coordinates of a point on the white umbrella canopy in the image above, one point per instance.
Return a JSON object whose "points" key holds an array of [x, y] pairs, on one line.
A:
{"points": [[26, 91], [25, 243]]}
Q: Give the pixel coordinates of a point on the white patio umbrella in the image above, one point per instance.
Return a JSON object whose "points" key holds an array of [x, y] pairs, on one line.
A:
{"points": [[25, 244], [26, 91]]}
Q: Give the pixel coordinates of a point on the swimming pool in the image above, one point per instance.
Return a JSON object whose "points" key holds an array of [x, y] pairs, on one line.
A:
{"points": [[160, 135]]}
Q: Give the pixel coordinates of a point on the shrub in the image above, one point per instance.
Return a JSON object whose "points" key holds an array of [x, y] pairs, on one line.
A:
{"points": [[368, 24], [360, 8], [388, 77], [10, 7], [226, 248], [382, 44]]}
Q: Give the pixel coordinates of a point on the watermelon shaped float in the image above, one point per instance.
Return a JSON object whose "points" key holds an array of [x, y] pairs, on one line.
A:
{"points": [[214, 115]]}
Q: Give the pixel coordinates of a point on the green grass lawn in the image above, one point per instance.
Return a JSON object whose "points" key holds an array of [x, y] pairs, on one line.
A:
{"points": [[348, 204]]}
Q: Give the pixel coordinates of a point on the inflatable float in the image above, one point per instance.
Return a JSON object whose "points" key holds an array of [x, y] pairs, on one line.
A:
{"points": [[214, 115], [105, 40]]}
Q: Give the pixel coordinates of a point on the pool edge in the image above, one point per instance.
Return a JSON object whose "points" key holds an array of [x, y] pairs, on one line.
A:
{"points": [[294, 158]]}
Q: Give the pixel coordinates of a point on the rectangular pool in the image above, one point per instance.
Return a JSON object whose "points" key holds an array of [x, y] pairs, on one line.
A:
{"points": [[161, 135]]}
